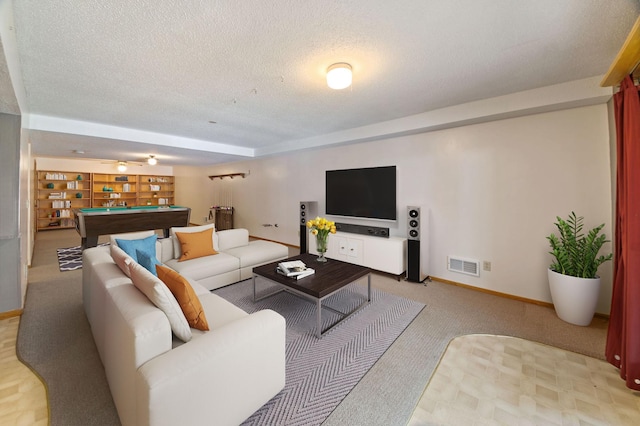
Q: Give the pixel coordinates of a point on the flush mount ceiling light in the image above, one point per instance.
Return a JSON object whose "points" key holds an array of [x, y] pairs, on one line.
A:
{"points": [[122, 166], [339, 76], [152, 161]]}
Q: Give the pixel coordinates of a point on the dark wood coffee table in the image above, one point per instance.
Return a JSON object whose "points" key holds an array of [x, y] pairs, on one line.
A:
{"points": [[329, 278]]}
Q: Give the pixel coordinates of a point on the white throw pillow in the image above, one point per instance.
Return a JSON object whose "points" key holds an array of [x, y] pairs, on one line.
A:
{"points": [[160, 295], [177, 251], [122, 259]]}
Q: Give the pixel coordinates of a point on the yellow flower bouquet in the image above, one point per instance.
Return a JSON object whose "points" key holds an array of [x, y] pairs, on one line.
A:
{"points": [[321, 228]]}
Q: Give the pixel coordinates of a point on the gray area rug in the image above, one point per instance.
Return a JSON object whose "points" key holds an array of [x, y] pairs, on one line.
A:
{"points": [[321, 372]]}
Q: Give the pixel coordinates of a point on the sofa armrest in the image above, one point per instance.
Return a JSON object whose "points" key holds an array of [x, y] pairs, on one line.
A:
{"points": [[221, 377]]}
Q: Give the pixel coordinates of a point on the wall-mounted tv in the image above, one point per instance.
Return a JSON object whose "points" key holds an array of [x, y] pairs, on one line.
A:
{"points": [[366, 192]]}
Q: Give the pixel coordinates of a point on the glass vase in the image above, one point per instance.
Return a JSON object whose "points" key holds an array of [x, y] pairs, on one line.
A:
{"points": [[321, 246]]}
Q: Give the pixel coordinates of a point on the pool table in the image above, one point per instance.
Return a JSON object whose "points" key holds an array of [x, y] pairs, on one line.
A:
{"points": [[93, 222]]}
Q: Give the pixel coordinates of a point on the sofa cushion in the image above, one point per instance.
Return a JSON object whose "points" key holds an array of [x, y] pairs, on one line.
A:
{"points": [[160, 295], [186, 297], [258, 252], [198, 288], [165, 249], [231, 238], [177, 252], [205, 267], [121, 258], [196, 244], [148, 261], [146, 245], [219, 312]]}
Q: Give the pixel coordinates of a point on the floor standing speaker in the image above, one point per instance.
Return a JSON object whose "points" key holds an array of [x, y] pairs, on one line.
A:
{"points": [[308, 211], [417, 244]]}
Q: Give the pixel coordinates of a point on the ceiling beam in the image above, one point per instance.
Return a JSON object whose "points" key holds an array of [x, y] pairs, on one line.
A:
{"points": [[627, 60]]}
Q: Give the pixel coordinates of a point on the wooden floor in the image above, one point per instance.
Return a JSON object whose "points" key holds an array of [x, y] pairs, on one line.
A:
{"points": [[23, 397], [495, 380]]}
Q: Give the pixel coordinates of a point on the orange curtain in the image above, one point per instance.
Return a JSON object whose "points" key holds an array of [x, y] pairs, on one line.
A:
{"points": [[623, 336]]}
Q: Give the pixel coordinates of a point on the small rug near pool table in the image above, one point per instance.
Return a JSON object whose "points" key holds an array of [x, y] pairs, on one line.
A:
{"points": [[70, 258]]}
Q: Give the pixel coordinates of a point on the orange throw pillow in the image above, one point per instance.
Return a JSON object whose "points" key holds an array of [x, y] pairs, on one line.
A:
{"points": [[186, 297], [196, 244]]}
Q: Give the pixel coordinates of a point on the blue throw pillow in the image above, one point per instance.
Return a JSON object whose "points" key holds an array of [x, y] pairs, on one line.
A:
{"points": [[145, 245], [148, 262]]}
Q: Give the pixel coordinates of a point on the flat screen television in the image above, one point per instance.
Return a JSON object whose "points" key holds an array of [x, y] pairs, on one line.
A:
{"points": [[366, 192]]}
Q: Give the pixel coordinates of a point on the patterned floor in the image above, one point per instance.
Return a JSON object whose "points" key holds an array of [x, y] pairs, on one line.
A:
{"points": [[499, 380], [70, 258], [321, 372]]}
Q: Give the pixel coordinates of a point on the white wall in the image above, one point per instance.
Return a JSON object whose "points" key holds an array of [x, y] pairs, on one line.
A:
{"points": [[10, 232], [493, 189], [25, 211]]}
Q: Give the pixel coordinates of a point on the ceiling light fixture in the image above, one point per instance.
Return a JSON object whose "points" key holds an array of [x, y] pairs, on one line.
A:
{"points": [[122, 166], [152, 161], [339, 76]]}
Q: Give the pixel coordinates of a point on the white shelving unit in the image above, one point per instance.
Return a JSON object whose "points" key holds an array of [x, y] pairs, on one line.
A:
{"points": [[382, 254]]}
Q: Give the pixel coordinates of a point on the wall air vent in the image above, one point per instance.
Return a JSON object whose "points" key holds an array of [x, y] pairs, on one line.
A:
{"points": [[463, 266]]}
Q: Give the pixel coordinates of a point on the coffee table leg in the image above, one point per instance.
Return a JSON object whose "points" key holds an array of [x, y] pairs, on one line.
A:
{"points": [[319, 314], [368, 287], [257, 299]]}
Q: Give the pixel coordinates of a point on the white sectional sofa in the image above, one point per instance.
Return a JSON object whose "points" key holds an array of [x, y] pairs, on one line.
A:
{"points": [[220, 376]]}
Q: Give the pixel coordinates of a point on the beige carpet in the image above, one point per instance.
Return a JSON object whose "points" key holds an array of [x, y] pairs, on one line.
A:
{"points": [[500, 380]]}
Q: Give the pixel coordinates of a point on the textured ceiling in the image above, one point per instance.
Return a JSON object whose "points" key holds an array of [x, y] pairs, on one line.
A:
{"points": [[257, 68]]}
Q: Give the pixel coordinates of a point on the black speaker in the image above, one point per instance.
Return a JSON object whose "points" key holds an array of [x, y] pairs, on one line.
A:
{"points": [[417, 244], [308, 211]]}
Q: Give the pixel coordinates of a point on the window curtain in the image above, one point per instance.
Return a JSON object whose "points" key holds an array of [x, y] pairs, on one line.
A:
{"points": [[623, 336]]}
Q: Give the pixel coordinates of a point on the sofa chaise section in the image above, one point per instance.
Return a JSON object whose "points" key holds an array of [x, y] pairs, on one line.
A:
{"points": [[220, 376]]}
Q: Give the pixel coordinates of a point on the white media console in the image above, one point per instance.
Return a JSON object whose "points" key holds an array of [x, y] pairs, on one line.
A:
{"points": [[382, 254]]}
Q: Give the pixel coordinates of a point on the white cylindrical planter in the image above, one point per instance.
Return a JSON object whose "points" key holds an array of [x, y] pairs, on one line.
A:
{"points": [[574, 299]]}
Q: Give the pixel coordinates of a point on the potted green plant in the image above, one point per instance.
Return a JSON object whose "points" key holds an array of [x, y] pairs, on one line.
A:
{"points": [[573, 276]]}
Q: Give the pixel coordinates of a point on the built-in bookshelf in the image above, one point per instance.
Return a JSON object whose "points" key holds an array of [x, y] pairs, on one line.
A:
{"points": [[114, 190], [59, 193], [156, 190]]}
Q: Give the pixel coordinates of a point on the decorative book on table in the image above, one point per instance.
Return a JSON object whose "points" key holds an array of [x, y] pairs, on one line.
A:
{"points": [[295, 269]]}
